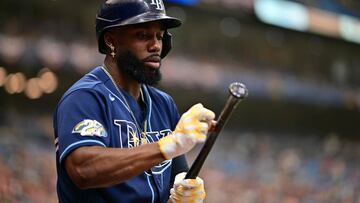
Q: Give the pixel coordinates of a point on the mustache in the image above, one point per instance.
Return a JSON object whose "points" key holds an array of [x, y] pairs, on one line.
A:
{"points": [[152, 58]]}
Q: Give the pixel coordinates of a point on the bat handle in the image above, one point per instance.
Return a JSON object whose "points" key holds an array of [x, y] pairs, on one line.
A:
{"points": [[211, 138], [200, 159], [237, 92]]}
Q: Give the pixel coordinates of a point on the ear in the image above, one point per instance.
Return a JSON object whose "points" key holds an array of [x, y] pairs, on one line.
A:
{"points": [[109, 40]]}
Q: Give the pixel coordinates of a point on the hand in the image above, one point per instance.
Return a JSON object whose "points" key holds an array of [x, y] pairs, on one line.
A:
{"points": [[189, 190], [191, 129]]}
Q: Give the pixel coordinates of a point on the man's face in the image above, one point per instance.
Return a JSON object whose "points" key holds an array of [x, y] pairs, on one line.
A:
{"points": [[138, 51]]}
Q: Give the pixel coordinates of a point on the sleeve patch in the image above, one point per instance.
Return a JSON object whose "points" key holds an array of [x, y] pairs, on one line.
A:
{"points": [[89, 127]]}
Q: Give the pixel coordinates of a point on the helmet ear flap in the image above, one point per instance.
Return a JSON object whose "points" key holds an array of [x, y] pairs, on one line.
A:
{"points": [[166, 44]]}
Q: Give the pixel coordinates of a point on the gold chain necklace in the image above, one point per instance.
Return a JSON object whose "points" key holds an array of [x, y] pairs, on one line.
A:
{"points": [[143, 139]]}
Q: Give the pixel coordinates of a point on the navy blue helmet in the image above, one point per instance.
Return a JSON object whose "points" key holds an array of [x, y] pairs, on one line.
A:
{"points": [[114, 13]]}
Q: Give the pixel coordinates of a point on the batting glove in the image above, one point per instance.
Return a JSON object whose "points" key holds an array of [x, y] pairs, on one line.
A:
{"points": [[187, 190], [191, 129]]}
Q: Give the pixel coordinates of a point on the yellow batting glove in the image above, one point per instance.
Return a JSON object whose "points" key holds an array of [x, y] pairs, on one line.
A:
{"points": [[187, 190], [191, 129]]}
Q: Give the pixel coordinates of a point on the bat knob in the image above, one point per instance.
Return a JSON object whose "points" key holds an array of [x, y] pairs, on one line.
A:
{"points": [[238, 90]]}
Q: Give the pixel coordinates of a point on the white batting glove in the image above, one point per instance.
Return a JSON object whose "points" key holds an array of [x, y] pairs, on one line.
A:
{"points": [[191, 129], [188, 190]]}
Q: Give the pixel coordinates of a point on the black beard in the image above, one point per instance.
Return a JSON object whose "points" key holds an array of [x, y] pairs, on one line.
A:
{"points": [[136, 69]]}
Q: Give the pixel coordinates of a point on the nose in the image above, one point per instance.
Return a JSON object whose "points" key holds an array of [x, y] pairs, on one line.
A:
{"points": [[155, 45]]}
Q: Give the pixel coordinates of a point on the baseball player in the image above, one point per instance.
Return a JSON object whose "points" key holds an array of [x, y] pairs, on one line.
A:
{"points": [[117, 138]]}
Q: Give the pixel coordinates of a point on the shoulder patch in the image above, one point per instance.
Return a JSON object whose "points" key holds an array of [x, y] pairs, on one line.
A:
{"points": [[89, 127]]}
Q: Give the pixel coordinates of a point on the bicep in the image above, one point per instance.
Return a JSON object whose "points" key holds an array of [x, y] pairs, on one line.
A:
{"points": [[79, 156], [75, 161]]}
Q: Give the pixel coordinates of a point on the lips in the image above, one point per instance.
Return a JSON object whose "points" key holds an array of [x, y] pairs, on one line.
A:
{"points": [[153, 61]]}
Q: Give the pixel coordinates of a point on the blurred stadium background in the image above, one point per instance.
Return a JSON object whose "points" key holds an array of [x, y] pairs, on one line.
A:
{"points": [[294, 140]]}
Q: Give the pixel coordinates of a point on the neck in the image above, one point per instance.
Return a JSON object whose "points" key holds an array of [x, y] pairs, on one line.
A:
{"points": [[121, 79]]}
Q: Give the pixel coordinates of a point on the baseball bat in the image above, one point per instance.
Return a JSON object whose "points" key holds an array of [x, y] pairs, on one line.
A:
{"points": [[237, 92]]}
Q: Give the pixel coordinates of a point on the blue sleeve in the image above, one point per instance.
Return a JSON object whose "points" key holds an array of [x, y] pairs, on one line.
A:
{"points": [[81, 120]]}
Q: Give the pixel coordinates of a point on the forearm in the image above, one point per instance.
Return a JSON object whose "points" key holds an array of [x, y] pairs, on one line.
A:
{"points": [[93, 167]]}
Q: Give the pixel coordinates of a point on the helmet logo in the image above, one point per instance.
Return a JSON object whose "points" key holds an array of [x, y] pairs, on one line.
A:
{"points": [[158, 3]]}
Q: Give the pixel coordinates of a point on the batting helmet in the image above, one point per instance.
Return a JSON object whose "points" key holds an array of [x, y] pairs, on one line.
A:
{"points": [[114, 13]]}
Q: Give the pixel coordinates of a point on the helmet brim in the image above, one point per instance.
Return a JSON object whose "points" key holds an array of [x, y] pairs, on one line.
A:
{"points": [[167, 21]]}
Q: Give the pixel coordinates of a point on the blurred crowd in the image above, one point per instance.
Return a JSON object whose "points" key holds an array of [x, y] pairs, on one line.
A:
{"points": [[27, 174], [279, 168], [242, 167], [27, 159]]}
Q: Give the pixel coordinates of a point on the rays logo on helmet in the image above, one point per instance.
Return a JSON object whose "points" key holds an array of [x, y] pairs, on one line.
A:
{"points": [[89, 127], [158, 3]]}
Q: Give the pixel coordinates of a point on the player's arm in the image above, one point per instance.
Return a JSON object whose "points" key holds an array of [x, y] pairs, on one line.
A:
{"points": [[92, 167], [82, 139], [96, 166]]}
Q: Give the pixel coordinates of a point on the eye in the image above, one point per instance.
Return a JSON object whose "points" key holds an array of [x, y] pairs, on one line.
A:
{"points": [[160, 37], [141, 35]]}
